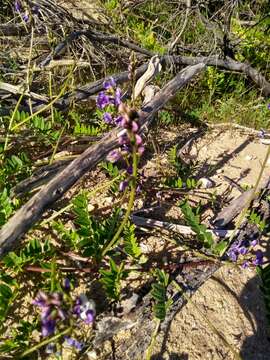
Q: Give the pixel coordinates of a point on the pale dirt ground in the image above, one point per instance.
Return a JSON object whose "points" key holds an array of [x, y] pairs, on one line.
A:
{"points": [[231, 299]]}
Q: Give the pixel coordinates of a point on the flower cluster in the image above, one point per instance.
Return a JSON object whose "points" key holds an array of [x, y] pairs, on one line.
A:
{"points": [[25, 15], [59, 308], [109, 99], [124, 118], [241, 248]]}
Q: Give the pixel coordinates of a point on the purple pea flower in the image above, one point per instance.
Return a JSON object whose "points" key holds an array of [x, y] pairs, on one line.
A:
{"points": [[109, 83], [85, 309], [123, 185], [138, 139], [259, 258], [268, 106], [141, 150], [117, 97], [25, 17], [107, 117], [129, 170], [134, 127], [118, 120], [74, 343], [48, 328], [245, 265], [17, 5], [102, 100], [67, 285], [114, 156]]}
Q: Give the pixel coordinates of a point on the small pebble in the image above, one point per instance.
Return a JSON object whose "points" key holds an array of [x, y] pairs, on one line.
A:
{"points": [[206, 183]]}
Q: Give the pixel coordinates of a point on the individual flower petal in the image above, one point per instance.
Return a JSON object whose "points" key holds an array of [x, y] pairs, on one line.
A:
{"points": [[254, 242], [138, 139], [141, 150], [89, 317], [117, 97], [259, 258], [17, 5], [48, 328], [67, 285], [114, 156], [118, 120], [107, 117], [74, 343], [109, 83], [134, 126], [245, 265], [123, 185]]}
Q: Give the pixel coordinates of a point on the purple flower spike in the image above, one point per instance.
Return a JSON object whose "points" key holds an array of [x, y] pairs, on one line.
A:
{"points": [[107, 117], [117, 98], [259, 258], [114, 156], [102, 100], [110, 83], [74, 343], [48, 328], [123, 185]]}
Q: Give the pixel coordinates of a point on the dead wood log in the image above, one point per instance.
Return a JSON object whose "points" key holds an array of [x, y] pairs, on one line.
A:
{"points": [[237, 205], [32, 211], [176, 228]]}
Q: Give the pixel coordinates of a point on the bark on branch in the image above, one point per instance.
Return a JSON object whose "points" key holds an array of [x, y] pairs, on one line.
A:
{"points": [[32, 211]]}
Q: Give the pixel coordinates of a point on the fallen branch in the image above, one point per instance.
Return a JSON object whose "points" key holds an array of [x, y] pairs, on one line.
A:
{"points": [[179, 229], [32, 211]]}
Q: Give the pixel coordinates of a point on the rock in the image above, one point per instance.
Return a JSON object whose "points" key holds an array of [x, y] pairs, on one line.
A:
{"points": [[206, 183]]}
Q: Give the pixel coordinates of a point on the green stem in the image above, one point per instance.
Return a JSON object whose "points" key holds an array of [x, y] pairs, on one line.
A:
{"points": [[11, 121], [152, 343], [48, 105], [56, 145], [130, 204], [45, 342]]}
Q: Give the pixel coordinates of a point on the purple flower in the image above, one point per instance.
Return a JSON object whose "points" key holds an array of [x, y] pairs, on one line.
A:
{"points": [[134, 127], [74, 343], [123, 139], [259, 258], [261, 133], [35, 9], [129, 170], [89, 317], [117, 97], [141, 150], [268, 106], [25, 17], [243, 250], [254, 242], [233, 255], [17, 5], [118, 120], [67, 284], [123, 185], [41, 300], [85, 309], [48, 327], [107, 117], [114, 156], [245, 265], [138, 139], [109, 83], [102, 100]]}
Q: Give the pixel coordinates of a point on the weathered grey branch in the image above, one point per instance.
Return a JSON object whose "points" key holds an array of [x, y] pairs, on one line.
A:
{"points": [[176, 228], [32, 211]]}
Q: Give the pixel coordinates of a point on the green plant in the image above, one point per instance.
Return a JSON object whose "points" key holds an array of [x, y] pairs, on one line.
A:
{"points": [[131, 245], [158, 292], [111, 279]]}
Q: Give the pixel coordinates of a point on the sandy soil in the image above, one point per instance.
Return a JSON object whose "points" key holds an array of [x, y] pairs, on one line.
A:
{"points": [[230, 300]]}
